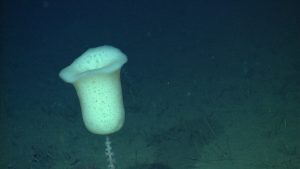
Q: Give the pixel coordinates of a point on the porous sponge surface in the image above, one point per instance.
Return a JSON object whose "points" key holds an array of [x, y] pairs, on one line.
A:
{"points": [[99, 57], [103, 59], [101, 103], [96, 77]]}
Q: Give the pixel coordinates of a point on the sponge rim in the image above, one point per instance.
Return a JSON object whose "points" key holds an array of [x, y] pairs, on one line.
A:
{"points": [[71, 74]]}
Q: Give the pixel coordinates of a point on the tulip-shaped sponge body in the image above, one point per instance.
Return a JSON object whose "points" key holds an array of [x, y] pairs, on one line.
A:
{"points": [[96, 77]]}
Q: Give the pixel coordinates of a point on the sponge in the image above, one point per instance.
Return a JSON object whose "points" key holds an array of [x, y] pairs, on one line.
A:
{"points": [[96, 78], [109, 154]]}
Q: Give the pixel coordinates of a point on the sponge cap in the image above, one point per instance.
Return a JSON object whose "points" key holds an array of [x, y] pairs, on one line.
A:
{"points": [[103, 59]]}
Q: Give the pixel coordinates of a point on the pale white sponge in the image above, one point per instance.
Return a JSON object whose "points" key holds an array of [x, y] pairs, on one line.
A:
{"points": [[96, 77]]}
